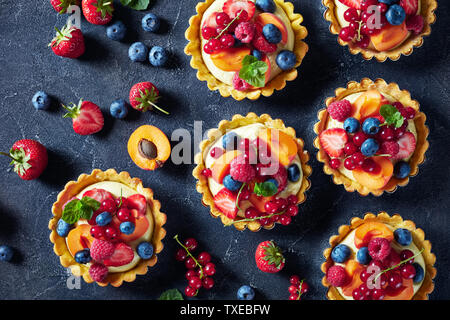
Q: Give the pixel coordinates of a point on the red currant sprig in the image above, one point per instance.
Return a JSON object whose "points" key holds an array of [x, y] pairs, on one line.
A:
{"points": [[298, 287]]}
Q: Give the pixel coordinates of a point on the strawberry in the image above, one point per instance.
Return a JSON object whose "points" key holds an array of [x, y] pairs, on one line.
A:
{"points": [[139, 203], [61, 6], [143, 97], [87, 118], [101, 249], [29, 158], [269, 257], [123, 255], [211, 21], [68, 42], [407, 144], [233, 7], [333, 141], [352, 3], [98, 194], [225, 201], [410, 6], [97, 11]]}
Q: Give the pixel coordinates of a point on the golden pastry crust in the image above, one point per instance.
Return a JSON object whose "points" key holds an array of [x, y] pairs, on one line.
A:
{"points": [[239, 121], [71, 189], [406, 48], [395, 221], [402, 96], [194, 49]]}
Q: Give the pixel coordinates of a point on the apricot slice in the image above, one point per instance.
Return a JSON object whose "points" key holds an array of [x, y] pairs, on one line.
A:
{"points": [[405, 292], [141, 227], [79, 238], [352, 266], [353, 284], [230, 59], [149, 147], [259, 201], [365, 232], [282, 146], [390, 37], [375, 181], [221, 167], [368, 104], [267, 17]]}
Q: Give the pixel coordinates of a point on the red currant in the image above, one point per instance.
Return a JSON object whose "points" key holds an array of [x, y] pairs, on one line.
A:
{"points": [[382, 7], [347, 34], [124, 214], [292, 199], [214, 44], [386, 133], [364, 276], [243, 16], [210, 269], [304, 288], [295, 280], [281, 204], [410, 113], [203, 258], [111, 233], [190, 292], [349, 165], [180, 255], [264, 221], [378, 294], [271, 207], [354, 25], [357, 294], [292, 210], [121, 202], [365, 291], [350, 148], [358, 159], [293, 297], [398, 105], [335, 163], [190, 263], [408, 271], [208, 32], [207, 283], [406, 254], [97, 232], [227, 41], [351, 14], [216, 152], [370, 166], [395, 280], [285, 220], [359, 138], [190, 274], [222, 19], [363, 42], [292, 289], [365, 4], [208, 48], [191, 244], [399, 132], [207, 172], [195, 283], [251, 213], [108, 205]]}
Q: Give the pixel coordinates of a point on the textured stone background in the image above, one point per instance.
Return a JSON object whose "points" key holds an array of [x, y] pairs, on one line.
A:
{"points": [[104, 73]]}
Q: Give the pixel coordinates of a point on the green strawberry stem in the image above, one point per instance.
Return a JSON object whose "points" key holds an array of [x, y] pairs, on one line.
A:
{"points": [[9, 156], [228, 25], [397, 265], [254, 219], [73, 111], [190, 255], [158, 108]]}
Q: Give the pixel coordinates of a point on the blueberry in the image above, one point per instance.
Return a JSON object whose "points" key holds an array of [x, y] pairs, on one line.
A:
{"points": [[420, 273], [402, 169], [272, 33], [275, 182], [116, 31], [257, 54], [231, 184], [127, 227], [293, 172], [403, 236], [158, 56], [230, 141], [138, 52], [369, 147], [63, 228], [145, 250], [266, 5], [151, 22], [41, 100], [371, 126], [246, 293], [340, 253], [83, 256], [6, 253], [351, 125], [119, 109], [363, 256], [103, 219], [395, 15], [286, 60]]}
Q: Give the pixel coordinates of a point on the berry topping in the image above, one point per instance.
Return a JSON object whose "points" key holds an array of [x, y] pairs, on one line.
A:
{"points": [[389, 147], [359, 138], [225, 201], [83, 256], [145, 250], [63, 228], [337, 276], [293, 173], [420, 273], [234, 7], [101, 250], [379, 248], [410, 6], [371, 126], [286, 60], [266, 5], [240, 84], [369, 147], [340, 110], [402, 170], [408, 271], [340, 253], [407, 144], [230, 141], [333, 141], [123, 255], [231, 184], [98, 272], [272, 33], [127, 227], [245, 32], [415, 24], [403, 236], [395, 15], [103, 219], [351, 125], [260, 43], [363, 256], [242, 171]]}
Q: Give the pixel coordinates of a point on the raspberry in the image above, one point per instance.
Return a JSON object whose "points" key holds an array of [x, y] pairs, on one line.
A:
{"points": [[101, 249], [415, 24], [340, 110], [245, 31], [242, 171], [282, 177], [239, 84], [98, 272], [379, 248], [337, 276], [389, 147], [260, 43]]}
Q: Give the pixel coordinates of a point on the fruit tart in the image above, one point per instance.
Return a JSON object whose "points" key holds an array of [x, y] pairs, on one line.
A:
{"points": [[245, 48], [380, 28], [379, 258], [107, 227], [252, 172], [371, 137]]}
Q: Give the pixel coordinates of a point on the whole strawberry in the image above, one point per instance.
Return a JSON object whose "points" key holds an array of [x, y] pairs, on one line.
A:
{"points": [[68, 42], [97, 11], [29, 158], [144, 96], [269, 257], [87, 118], [61, 6]]}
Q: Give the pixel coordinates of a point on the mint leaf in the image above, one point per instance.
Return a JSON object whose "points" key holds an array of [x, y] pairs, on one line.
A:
{"points": [[172, 294], [136, 4], [265, 189], [253, 71], [90, 202], [391, 116], [71, 213]]}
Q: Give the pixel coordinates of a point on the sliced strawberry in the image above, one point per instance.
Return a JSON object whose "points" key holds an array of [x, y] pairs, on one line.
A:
{"points": [[98, 194], [87, 118], [211, 21], [233, 7], [407, 144], [352, 3], [410, 6], [225, 201], [123, 255], [333, 141], [139, 203]]}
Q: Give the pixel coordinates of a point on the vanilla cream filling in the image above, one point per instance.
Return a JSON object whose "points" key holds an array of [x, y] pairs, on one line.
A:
{"points": [[250, 132], [350, 242], [117, 189], [227, 76]]}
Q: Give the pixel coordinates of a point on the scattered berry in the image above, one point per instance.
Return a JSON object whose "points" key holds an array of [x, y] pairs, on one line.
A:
{"points": [[41, 101], [151, 22], [68, 42], [6, 253], [269, 257], [97, 11], [138, 52], [119, 109], [245, 293], [116, 31], [158, 56]]}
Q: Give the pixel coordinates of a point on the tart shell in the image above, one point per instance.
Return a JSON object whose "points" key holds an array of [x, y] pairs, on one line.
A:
{"points": [[238, 120], [406, 48], [194, 49], [397, 222], [402, 96], [71, 189]]}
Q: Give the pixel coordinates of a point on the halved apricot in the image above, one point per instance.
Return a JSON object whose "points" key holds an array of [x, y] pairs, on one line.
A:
{"points": [[365, 232], [79, 238], [230, 59], [149, 147], [390, 37], [281, 145], [267, 17], [221, 167], [368, 104], [354, 283]]}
